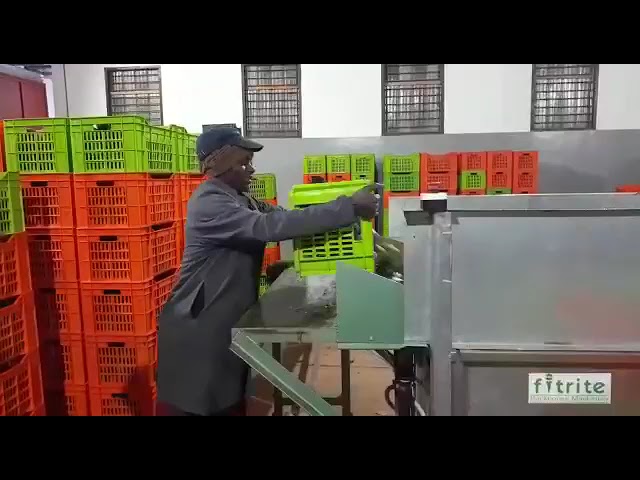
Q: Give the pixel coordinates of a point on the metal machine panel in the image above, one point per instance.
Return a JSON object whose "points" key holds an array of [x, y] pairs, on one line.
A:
{"points": [[542, 270], [507, 383], [418, 254]]}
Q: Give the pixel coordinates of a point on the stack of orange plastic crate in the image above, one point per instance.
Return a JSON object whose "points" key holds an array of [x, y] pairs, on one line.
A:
{"points": [[21, 391], [439, 173], [525, 172]]}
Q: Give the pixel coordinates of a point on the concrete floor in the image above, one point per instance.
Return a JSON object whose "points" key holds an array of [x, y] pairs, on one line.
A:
{"points": [[370, 375]]}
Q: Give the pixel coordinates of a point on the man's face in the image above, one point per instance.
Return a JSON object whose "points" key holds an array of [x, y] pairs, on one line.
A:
{"points": [[239, 177]]}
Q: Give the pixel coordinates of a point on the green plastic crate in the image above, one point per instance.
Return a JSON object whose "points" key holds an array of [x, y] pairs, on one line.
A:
{"points": [[11, 212], [338, 163], [122, 144], [188, 161], [499, 191], [401, 163], [264, 285], [402, 182], [363, 167], [318, 254], [315, 164], [473, 180], [37, 146], [263, 186], [385, 222]]}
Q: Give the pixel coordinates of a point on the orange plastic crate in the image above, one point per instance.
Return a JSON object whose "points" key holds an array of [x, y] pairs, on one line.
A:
{"points": [[124, 309], [125, 200], [72, 401], [525, 162], [63, 362], [501, 161], [472, 161], [314, 178], [525, 183], [52, 255], [188, 184], [48, 200], [21, 386], [114, 361], [15, 276], [18, 331], [439, 182], [122, 402], [338, 177], [445, 163], [499, 180], [133, 255], [628, 189], [271, 256], [273, 201], [58, 310], [39, 411]]}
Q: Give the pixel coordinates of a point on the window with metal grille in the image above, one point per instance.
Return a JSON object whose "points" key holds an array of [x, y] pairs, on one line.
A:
{"points": [[413, 98], [564, 96], [271, 99], [135, 91]]}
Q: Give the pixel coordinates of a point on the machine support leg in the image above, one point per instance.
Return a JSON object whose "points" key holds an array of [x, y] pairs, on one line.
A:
{"points": [[345, 396], [278, 403], [404, 383]]}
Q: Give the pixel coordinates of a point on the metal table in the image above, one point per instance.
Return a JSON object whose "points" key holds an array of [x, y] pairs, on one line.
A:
{"points": [[292, 311]]}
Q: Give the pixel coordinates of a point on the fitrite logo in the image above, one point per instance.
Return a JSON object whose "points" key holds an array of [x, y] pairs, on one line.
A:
{"points": [[570, 388]]}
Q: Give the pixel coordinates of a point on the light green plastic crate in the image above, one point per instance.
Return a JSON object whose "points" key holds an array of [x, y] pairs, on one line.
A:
{"points": [[37, 146], [363, 167], [338, 163], [401, 163], [11, 212], [315, 164], [122, 144], [264, 285], [385, 222], [318, 254], [473, 180], [402, 182], [188, 161], [263, 186]]}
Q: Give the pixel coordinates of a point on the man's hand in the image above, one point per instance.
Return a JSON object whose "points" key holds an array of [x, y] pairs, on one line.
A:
{"points": [[366, 201]]}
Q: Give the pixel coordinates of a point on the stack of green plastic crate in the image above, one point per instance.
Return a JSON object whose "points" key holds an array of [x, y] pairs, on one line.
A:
{"points": [[315, 169], [401, 173], [318, 254], [363, 167]]}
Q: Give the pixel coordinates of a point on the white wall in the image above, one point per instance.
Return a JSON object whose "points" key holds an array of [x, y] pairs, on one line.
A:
{"points": [[192, 94], [341, 100], [618, 97], [344, 100], [485, 98]]}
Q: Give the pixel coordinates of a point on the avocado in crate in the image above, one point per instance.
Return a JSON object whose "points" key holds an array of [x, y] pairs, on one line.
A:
{"points": [[37, 145], [318, 254], [122, 144], [263, 186]]}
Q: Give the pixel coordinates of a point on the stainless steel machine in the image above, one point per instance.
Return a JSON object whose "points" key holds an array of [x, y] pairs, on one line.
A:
{"points": [[510, 305]]}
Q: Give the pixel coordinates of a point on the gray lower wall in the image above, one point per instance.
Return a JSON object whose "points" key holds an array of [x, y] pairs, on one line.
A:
{"points": [[584, 161]]}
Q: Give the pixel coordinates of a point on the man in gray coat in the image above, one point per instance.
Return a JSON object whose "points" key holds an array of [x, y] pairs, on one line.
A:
{"points": [[226, 232]]}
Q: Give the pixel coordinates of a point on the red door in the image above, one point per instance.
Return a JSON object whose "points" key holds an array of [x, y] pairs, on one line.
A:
{"points": [[10, 98], [34, 99]]}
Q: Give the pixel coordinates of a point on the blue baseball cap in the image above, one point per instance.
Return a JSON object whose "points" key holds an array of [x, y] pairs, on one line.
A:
{"points": [[216, 138]]}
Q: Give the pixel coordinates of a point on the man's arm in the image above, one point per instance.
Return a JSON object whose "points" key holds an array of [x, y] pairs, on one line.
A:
{"points": [[227, 222]]}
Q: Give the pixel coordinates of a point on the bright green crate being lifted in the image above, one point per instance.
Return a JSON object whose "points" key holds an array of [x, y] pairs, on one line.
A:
{"points": [[338, 163], [37, 146], [11, 213], [363, 166], [122, 144], [263, 186], [318, 254]]}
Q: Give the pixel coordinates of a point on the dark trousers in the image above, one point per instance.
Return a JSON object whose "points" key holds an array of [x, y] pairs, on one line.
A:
{"points": [[167, 410]]}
